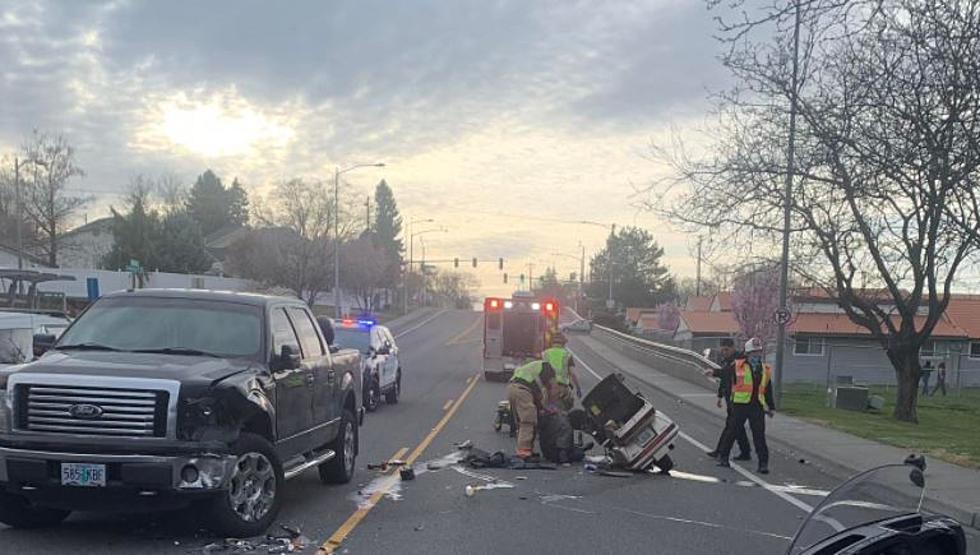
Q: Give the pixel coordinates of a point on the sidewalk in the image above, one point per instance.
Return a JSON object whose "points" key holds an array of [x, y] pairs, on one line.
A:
{"points": [[951, 489]]}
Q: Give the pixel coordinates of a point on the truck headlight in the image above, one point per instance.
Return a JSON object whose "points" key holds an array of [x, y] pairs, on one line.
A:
{"points": [[4, 412]]}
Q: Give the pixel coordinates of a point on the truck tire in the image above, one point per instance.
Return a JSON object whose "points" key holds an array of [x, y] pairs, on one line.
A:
{"points": [[396, 390], [372, 396], [253, 498], [340, 469], [665, 464], [17, 512]]}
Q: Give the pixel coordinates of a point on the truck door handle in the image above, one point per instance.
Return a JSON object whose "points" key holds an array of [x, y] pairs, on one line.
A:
{"points": [[331, 375], [310, 379]]}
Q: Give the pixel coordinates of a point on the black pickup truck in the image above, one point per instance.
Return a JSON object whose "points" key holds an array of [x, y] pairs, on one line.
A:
{"points": [[165, 398]]}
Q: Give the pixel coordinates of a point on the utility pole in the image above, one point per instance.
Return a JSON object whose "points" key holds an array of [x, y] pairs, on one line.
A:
{"points": [[610, 303], [581, 279], [336, 239], [367, 210], [697, 287], [20, 218], [788, 191]]}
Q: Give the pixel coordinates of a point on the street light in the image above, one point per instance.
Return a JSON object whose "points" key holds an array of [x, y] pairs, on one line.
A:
{"points": [[336, 228], [581, 278], [610, 303], [411, 254], [408, 266]]}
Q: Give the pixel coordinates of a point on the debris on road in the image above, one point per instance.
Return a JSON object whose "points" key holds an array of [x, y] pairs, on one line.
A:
{"points": [[471, 489], [407, 473], [293, 542], [386, 465]]}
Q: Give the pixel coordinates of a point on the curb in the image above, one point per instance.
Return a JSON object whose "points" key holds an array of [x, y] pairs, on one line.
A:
{"points": [[965, 516]]}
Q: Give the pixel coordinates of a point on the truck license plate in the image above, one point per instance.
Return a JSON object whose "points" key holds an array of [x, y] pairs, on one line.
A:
{"points": [[83, 474]]}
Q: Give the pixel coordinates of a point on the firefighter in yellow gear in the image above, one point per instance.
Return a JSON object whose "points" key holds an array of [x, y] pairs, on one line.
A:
{"points": [[565, 378], [526, 392]]}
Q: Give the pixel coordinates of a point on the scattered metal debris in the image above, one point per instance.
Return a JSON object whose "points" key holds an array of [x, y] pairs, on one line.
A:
{"points": [[293, 542]]}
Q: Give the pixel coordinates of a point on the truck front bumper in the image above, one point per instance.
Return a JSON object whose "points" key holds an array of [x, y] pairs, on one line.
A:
{"points": [[33, 472]]}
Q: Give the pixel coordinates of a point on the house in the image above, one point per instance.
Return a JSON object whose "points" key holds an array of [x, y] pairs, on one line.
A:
{"points": [[216, 244], [633, 314], [87, 245], [699, 304], [9, 258], [699, 330], [824, 344]]}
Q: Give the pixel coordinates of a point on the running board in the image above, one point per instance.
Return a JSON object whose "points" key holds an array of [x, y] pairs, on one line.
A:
{"points": [[307, 464]]}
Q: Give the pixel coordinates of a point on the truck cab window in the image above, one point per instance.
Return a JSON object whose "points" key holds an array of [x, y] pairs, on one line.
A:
{"points": [[306, 329], [282, 331]]}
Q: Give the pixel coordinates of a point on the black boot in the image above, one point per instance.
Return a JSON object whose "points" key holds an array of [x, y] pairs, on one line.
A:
{"points": [[724, 463], [744, 457], [763, 469], [712, 454]]}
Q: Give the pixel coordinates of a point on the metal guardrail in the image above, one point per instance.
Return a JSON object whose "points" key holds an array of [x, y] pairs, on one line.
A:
{"points": [[680, 363]]}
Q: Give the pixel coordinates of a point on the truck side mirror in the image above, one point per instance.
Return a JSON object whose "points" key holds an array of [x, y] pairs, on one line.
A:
{"points": [[43, 343], [288, 358]]}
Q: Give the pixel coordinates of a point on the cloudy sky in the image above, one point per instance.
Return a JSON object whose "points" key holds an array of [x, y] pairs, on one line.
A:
{"points": [[487, 113]]}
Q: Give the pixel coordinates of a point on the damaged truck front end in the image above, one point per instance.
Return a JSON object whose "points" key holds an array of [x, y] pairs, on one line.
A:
{"points": [[149, 444]]}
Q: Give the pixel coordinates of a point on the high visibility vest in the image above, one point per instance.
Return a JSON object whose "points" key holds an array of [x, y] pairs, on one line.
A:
{"points": [[558, 358], [530, 372], [742, 388]]}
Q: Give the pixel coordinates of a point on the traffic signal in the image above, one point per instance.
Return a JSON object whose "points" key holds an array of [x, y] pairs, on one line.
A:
{"points": [[500, 263], [522, 279], [456, 263], [474, 262], [505, 278]]}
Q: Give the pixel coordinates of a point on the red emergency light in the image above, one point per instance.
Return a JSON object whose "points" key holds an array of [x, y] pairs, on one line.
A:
{"points": [[549, 307], [493, 304]]}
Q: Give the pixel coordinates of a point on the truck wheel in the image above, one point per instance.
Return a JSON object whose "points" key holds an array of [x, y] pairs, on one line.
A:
{"points": [[340, 469], [372, 396], [17, 512], [665, 464], [392, 396], [250, 504]]}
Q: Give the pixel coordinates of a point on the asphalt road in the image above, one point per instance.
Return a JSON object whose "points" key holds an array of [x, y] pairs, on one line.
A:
{"points": [[699, 509]]}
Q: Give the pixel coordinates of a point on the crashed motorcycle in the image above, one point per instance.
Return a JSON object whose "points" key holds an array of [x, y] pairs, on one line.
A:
{"points": [[634, 434], [879, 512]]}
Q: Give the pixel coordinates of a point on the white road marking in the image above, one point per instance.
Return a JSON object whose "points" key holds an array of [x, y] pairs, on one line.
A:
{"points": [[579, 361], [775, 490], [420, 324]]}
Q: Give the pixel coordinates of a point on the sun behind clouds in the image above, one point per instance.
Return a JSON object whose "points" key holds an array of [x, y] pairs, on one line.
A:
{"points": [[217, 125]]}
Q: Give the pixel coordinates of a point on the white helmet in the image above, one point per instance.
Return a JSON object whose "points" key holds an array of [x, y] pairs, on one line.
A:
{"points": [[753, 345]]}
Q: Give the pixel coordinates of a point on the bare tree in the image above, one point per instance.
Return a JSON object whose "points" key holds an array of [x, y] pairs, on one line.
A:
{"points": [[362, 270], [50, 165], [293, 246], [884, 207]]}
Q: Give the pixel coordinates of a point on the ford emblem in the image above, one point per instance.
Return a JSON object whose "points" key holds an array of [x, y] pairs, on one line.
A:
{"points": [[85, 411]]}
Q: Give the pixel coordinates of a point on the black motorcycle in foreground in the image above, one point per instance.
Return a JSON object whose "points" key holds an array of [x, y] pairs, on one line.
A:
{"points": [[879, 512]]}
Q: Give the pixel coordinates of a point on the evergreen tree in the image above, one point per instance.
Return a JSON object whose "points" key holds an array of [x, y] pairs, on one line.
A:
{"points": [[213, 206], [386, 230]]}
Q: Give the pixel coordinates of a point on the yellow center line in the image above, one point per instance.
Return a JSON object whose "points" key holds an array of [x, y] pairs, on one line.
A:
{"points": [[338, 537], [448, 404], [459, 337], [360, 513]]}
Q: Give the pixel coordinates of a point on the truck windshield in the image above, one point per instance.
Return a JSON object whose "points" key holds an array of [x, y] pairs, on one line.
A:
{"points": [[168, 324]]}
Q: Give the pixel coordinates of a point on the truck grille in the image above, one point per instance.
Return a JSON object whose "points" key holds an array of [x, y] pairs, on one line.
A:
{"points": [[92, 411]]}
